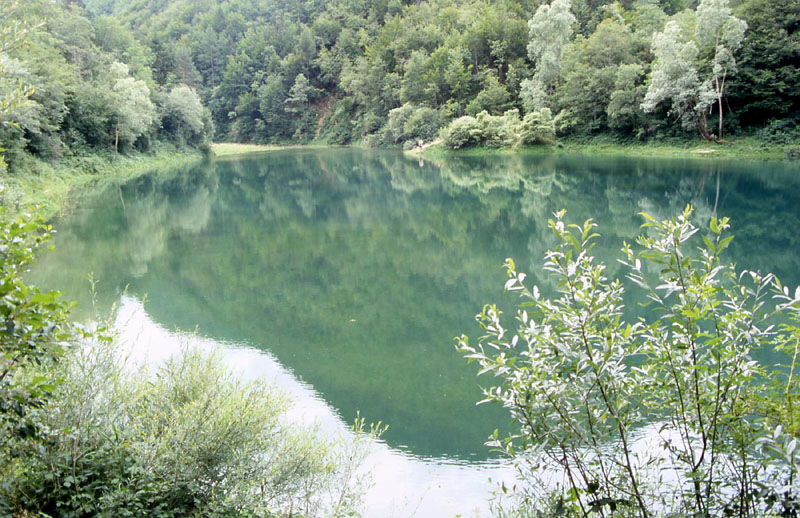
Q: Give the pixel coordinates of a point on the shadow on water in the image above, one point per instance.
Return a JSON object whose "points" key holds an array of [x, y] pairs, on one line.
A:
{"points": [[356, 268]]}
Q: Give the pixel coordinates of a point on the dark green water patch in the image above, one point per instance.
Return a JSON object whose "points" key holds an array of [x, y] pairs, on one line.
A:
{"points": [[357, 268]]}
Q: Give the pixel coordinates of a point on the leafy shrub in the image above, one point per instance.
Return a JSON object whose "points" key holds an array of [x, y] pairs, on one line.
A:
{"points": [[493, 98], [423, 124], [33, 325], [538, 127], [81, 435], [412, 123], [781, 131], [462, 132], [581, 381], [498, 131], [184, 116], [395, 124], [191, 441]]}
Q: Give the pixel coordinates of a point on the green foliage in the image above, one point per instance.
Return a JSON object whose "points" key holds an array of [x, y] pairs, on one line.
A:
{"points": [[465, 56], [494, 131], [493, 98], [189, 440], [458, 57], [77, 85], [624, 107], [690, 70], [33, 329], [550, 30], [184, 114], [133, 111], [766, 85], [538, 128], [580, 379], [412, 123]]}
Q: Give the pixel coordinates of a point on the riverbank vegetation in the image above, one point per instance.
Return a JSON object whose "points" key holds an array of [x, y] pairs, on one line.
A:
{"points": [[79, 103], [86, 431], [347, 71], [664, 411], [55, 186], [228, 148], [110, 77]]}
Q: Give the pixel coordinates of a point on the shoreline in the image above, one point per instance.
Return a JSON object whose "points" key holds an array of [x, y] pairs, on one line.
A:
{"points": [[54, 188], [747, 148], [741, 148]]}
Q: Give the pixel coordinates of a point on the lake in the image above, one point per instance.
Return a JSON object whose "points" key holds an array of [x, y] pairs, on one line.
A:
{"points": [[353, 270]]}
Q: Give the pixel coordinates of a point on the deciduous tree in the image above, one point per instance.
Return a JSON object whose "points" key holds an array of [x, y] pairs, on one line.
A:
{"points": [[134, 111], [550, 31]]}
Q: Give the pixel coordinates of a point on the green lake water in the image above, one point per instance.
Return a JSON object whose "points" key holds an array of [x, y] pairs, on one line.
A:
{"points": [[356, 268]]}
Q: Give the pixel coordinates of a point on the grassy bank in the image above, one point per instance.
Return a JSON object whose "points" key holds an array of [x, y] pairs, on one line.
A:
{"points": [[228, 148], [736, 147], [742, 147], [55, 186]]}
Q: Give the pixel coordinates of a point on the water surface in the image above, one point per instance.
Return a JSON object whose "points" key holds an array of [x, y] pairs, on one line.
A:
{"points": [[355, 269]]}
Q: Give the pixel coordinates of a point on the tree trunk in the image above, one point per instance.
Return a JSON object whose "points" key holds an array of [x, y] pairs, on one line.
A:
{"points": [[720, 91], [702, 126], [116, 141]]}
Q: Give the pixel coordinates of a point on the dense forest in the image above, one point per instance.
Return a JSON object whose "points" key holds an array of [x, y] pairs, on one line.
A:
{"points": [[85, 84], [108, 74]]}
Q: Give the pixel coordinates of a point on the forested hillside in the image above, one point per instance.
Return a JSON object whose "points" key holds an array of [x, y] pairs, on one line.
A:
{"points": [[76, 85], [395, 71], [273, 70]]}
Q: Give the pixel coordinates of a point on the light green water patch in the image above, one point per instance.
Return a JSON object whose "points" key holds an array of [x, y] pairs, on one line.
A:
{"points": [[356, 268]]}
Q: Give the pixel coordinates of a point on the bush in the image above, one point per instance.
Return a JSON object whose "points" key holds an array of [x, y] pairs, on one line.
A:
{"points": [[184, 116], [412, 123], [495, 131], [582, 382], [81, 435], [781, 132], [538, 127], [423, 124], [463, 132], [395, 124], [33, 329], [191, 441], [484, 129]]}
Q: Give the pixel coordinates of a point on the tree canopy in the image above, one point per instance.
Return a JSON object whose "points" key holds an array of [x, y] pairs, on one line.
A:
{"points": [[334, 70]]}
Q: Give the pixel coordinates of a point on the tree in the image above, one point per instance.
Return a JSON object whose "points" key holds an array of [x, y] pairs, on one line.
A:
{"points": [[183, 112], [717, 28], [590, 70], [675, 78], [579, 378], [624, 108], [550, 31], [300, 95], [133, 110], [13, 94], [767, 84], [493, 98], [457, 76], [679, 65], [416, 88], [271, 105]]}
